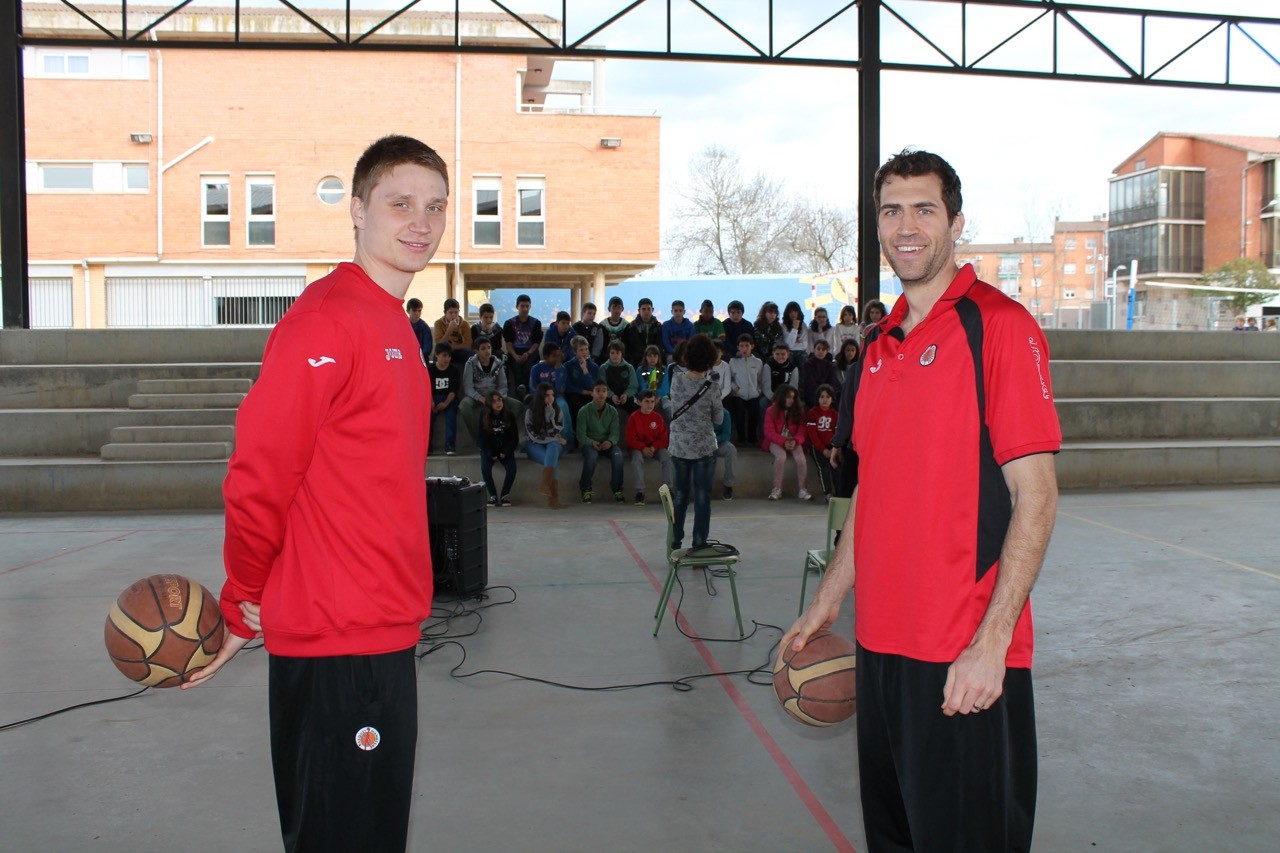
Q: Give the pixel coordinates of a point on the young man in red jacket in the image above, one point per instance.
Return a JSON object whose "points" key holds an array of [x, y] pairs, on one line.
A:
{"points": [[326, 520]]}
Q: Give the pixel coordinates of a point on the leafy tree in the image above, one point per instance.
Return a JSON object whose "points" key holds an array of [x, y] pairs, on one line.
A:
{"points": [[1247, 274]]}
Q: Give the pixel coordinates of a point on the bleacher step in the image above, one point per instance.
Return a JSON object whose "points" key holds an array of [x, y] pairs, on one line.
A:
{"points": [[166, 451], [186, 401]]}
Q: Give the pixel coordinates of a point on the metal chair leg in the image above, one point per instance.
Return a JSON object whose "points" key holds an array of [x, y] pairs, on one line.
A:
{"points": [[733, 587], [662, 601]]}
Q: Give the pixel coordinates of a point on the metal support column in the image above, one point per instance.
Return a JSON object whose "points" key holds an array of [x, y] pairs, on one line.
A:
{"points": [[868, 149], [15, 299]]}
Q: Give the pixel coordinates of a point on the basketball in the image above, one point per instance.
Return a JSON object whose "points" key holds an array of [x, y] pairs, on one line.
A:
{"points": [[163, 628], [817, 685]]}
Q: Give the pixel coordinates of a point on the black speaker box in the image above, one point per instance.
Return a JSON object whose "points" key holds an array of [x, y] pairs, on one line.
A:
{"points": [[458, 534]]}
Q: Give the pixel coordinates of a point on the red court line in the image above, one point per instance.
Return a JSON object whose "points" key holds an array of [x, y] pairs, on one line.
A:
{"points": [[770, 745], [72, 551]]}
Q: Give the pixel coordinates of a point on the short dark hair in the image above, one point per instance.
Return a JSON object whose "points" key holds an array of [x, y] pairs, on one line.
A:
{"points": [[414, 304], [699, 353], [707, 303], [646, 394], [825, 387], [736, 304], [590, 305], [486, 308], [548, 348], [443, 347], [822, 342], [644, 300], [677, 302], [450, 303], [483, 339], [563, 315], [747, 338], [599, 383], [909, 163], [616, 346], [615, 300], [387, 153], [524, 297], [780, 345]]}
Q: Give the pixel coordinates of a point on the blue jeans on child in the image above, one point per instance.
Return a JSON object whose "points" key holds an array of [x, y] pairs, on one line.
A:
{"points": [[486, 472], [696, 473], [450, 418], [546, 455], [590, 456]]}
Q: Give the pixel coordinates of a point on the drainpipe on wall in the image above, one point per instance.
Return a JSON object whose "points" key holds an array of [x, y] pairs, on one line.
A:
{"points": [[88, 318], [457, 179]]}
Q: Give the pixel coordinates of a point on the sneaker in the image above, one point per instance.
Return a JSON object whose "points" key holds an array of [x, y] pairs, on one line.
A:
{"points": [[586, 496], [639, 498], [449, 451], [619, 497], [728, 493], [775, 495], [804, 495], [492, 501], [505, 500]]}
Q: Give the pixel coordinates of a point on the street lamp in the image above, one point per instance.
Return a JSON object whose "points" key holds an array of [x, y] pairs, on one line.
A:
{"points": [[1111, 295]]}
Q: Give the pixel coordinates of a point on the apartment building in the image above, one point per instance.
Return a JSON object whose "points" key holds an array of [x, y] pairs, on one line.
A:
{"points": [[1060, 280], [207, 187]]}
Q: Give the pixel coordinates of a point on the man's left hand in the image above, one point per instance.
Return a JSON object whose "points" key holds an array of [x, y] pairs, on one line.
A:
{"points": [[975, 681]]}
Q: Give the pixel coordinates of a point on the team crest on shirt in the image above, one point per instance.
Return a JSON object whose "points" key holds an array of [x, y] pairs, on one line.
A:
{"points": [[927, 357], [368, 738]]}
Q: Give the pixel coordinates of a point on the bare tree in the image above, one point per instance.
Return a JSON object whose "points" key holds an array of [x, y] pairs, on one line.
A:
{"points": [[823, 236], [730, 221]]}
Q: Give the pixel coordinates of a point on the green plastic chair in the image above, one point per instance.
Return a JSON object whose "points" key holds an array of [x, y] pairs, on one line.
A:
{"points": [[680, 559], [815, 560]]}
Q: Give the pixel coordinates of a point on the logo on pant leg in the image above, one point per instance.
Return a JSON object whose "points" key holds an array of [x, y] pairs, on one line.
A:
{"points": [[368, 738]]}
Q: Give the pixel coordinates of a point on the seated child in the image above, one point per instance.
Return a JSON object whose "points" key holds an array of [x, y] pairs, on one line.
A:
{"points": [[820, 428], [544, 424], [784, 435], [446, 388], [647, 436], [726, 450], [621, 378], [498, 439], [599, 434], [580, 375], [816, 371]]}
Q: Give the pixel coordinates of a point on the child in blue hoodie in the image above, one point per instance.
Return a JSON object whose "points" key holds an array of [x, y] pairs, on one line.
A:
{"points": [[676, 330]]}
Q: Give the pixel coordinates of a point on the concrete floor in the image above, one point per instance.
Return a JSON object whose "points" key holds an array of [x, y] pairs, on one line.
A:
{"points": [[1156, 678]]}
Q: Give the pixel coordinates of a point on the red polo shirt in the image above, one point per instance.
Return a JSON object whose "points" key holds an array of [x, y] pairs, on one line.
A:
{"points": [[937, 413]]}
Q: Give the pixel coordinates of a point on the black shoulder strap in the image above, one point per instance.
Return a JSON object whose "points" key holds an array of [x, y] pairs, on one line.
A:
{"points": [[684, 407]]}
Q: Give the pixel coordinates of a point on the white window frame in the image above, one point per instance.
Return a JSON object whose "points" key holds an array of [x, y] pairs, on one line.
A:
{"points": [[124, 177], [1068, 269], [487, 183], [320, 190], [1069, 244], [1090, 269], [42, 167], [132, 55], [531, 182], [65, 55], [1037, 261], [206, 217], [1091, 243], [252, 180], [1068, 293]]}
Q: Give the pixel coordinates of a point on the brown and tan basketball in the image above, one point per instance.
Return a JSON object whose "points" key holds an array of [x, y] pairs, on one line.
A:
{"points": [[817, 685], [162, 629]]}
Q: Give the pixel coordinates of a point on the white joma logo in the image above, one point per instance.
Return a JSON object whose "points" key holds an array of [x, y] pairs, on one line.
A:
{"points": [[321, 361]]}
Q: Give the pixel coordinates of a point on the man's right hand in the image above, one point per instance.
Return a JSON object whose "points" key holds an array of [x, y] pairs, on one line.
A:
{"points": [[819, 615], [231, 643]]}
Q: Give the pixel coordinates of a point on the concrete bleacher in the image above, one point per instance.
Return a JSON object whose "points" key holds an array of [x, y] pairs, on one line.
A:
{"points": [[143, 419]]}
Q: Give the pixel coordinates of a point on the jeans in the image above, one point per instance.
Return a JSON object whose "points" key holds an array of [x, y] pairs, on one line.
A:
{"points": [[661, 455], [486, 471], [546, 455], [729, 454], [697, 472], [450, 418], [589, 458], [746, 417]]}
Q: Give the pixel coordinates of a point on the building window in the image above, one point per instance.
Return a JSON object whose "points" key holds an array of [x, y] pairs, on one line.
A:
{"points": [[137, 177], [331, 190], [1157, 194], [1070, 244], [260, 196], [1037, 282], [1088, 293], [486, 228], [64, 64], [69, 177], [1090, 269], [1068, 294], [1010, 265], [1037, 261], [531, 223], [215, 215], [1068, 269], [137, 66], [1091, 243]]}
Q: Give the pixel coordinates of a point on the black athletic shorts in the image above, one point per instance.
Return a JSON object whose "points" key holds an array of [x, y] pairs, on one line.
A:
{"points": [[936, 783], [344, 734]]}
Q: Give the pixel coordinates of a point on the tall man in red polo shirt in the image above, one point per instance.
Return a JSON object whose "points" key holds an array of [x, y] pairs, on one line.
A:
{"points": [[955, 431], [326, 520]]}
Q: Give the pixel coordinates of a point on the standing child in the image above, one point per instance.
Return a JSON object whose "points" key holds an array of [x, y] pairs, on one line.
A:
{"points": [[615, 324], [588, 328], [816, 371], [421, 330], [642, 332], [708, 323], [446, 387], [746, 375], [784, 435], [598, 434], [820, 327], [767, 329], [677, 330], [621, 378], [847, 327], [648, 437], [544, 424], [498, 439], [737, 325], [488, 327], [820, 428], [522, 335]]}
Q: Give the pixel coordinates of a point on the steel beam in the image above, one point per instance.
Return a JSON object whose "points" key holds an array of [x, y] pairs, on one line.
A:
{"points": [[15, 300], [868, 150]]}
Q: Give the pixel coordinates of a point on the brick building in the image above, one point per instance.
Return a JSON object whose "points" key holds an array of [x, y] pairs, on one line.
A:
{"points": [[197, 187], [1060, 281]]}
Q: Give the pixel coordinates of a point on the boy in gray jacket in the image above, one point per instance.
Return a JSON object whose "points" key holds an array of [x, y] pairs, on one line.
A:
{"points": [[481, 376]]}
